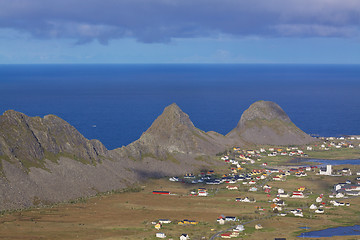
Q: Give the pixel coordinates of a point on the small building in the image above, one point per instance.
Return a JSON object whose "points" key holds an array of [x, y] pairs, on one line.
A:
{"points": [[319, 210], [161, 192], [230, 219], [297, 194], [239, 228], [184, 236], [164, 221], [258, 227], [158, 226], [160, 235], [346, 171], [221, 221], [283, 195], [326, 171], [253, 189], [313, 207], [226, 235]]}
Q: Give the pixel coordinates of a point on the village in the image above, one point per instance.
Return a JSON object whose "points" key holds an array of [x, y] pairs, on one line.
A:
{"points": [[269, 186]]}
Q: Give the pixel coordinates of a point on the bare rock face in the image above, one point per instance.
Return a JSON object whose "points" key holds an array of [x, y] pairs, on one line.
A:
{"points": [[266, 122], [173, 132], [30, 140]]}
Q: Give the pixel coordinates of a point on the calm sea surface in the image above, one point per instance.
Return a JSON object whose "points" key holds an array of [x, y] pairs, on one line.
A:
{"points": [[117, 103]]}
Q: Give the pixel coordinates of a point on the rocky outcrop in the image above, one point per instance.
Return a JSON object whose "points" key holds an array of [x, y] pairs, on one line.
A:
{"points": [[174, 133], [30, 140], [266, 122]]}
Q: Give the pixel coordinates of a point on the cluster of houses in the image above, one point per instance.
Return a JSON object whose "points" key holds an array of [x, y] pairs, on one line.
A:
{"points": [[223, 219], [252, 178], [158, 225], [183, 236], [338, 142], [234, 233], [340, 138], [347, 188], [297, 212], [249, 156], [319, 201]]}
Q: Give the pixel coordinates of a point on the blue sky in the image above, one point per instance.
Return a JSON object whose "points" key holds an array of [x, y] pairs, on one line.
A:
{"points": [[180, 31]]}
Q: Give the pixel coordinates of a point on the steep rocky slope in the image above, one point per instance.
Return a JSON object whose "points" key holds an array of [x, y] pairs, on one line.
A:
{"points": [[266, 122], [29, 140], [174, 133], [46, 160]]}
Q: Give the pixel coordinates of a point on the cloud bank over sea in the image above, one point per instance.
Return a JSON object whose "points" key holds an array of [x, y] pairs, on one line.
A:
{"points": [[160, 21]]}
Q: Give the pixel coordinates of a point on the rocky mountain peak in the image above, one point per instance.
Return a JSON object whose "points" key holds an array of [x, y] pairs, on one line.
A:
{"points": [[266, 122], [172, 132], [265, 110], [172, 119]]}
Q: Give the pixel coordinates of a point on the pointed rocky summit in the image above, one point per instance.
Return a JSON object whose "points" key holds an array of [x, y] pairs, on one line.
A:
{"points": [[173, 132], [266, 122]]}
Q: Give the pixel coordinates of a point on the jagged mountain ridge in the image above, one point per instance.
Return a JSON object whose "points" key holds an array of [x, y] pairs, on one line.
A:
{"points": [[30, 139], [265, 122], [47, 160]]}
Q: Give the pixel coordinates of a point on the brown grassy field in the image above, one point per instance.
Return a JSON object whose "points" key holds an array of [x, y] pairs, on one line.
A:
{"points": [[129, 215]]}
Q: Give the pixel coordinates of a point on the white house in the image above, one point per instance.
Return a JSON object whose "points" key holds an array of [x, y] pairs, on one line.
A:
{"points": [[283, 195], [160, 235], [164, 221], [230, 219], [339, 195], [203, 193], [319, 211], [298, 214], [184, 236], [239, 228], [313, 207]]}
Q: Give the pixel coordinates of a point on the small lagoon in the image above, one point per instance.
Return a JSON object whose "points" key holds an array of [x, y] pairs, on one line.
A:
{"points": [[333, 162], [331, 232]]}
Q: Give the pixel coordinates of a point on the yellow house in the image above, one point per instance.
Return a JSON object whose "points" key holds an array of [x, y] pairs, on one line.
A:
{"points": [[158, 226], [185, 221], [301, 189]]}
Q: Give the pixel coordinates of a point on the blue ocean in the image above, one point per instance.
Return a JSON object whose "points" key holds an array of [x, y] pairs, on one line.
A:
{"points": [[117, 103]]}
